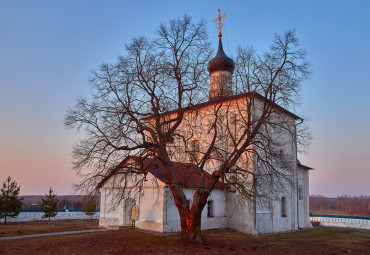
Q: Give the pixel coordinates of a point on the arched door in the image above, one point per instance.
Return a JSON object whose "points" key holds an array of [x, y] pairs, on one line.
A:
{"points": [[129, 203]]}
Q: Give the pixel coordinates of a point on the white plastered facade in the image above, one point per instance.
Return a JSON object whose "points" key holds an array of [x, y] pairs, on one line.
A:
{"points": [[157, 211]]}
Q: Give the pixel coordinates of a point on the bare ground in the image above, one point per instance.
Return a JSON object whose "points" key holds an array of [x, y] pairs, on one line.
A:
{"points": [[320, 240], [41, 227]]}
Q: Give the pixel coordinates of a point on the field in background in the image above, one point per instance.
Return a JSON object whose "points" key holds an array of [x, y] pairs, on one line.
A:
{"points": [[41, 227], [320, 240], [343, 205]]}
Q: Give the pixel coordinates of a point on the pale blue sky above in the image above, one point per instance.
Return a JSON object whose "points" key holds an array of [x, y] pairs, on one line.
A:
{"points": [[49, 48]]}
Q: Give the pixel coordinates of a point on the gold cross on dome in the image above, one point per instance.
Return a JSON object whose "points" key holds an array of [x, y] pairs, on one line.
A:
{"points": [[218, 21]]}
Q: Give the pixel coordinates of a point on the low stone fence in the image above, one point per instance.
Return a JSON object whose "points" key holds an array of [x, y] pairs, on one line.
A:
{"points": [[341, 221], [33, 215]]}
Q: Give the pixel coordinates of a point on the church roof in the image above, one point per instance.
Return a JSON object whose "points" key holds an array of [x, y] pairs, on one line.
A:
{"points": [[221, 62], [226, 99], [303, 166], [186, 173]]}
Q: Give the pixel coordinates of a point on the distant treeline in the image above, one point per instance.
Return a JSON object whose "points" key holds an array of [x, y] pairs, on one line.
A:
{"points": [[74, 202], [343, 205]]}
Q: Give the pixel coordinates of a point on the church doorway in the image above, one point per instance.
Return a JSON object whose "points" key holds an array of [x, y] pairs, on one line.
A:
{"points": [[264, 221], [129, 203]]}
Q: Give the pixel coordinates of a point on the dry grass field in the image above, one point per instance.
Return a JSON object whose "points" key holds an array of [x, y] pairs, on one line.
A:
{"points": [[41, 227], [320, 240]]}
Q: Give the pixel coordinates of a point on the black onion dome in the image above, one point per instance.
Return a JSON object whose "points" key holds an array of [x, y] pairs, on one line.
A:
{"points": [[221, 62]]}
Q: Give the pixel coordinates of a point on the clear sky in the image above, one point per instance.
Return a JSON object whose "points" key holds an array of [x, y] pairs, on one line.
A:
{"points": [[49, 48]]}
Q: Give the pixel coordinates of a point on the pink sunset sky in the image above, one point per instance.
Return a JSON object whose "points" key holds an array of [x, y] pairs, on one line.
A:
{"points": [[49, 48]]}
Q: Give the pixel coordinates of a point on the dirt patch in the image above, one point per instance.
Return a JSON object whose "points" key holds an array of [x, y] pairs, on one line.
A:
{"points": [[320, 240], [41, 227]]}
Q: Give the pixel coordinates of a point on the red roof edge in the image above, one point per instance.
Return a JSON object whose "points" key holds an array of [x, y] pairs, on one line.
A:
{"points": [[186, 173]]}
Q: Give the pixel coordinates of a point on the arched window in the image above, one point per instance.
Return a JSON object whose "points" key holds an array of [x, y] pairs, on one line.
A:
{"points": [[194, 149], [283, 207], [210, 212], [233, 127], [300, 193]]}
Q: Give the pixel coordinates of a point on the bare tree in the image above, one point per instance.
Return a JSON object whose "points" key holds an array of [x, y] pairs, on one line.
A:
{"points": [[153, 101]]}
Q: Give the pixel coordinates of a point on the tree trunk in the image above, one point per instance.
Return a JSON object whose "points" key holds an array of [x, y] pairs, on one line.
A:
{"points": [[194, 224], [191, 219], [6, 212], [180, 202], [195, 216]]}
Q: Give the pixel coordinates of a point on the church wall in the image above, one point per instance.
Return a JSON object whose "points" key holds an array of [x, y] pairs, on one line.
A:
{"points": [[110, 215], [239, 214], [270, 217], [196, 125], [115, 211], [303, 199], [281, 129], [265, 218], [151, 210], [287, 222], [218, 221], [282, 223], [269, 213]]}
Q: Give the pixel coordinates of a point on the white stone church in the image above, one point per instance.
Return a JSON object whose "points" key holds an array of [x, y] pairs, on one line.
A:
{"points": [[288, 210]]}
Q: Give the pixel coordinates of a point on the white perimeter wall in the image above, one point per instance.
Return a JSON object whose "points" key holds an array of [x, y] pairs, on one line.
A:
{"points": [[33, 216], [342, 222]]}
